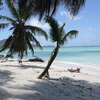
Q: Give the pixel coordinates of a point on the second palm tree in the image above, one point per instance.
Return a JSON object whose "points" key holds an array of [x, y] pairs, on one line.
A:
{"points": [[59, 36]]}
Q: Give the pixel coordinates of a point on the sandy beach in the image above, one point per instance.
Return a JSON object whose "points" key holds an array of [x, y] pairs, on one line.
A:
{"points": [[20, 82]]}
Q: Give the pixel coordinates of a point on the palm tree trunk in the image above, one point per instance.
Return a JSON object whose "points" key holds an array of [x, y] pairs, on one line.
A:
{"points": [[52, 58]]}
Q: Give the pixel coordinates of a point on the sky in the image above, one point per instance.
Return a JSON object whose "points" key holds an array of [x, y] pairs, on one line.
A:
{"points": [[87, 22]]}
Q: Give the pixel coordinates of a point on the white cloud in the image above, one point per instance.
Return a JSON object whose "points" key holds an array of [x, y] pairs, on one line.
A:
{"points": [[36, 22], [63, 13]]}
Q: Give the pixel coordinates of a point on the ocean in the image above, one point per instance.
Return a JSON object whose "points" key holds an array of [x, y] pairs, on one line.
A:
{"points": [[78, 54]]}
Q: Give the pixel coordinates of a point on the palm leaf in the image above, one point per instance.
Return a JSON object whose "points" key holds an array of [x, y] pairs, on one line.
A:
{"points": [[25, 9], [30, 45], [55, 6], [12, 8], [7, 18], [49, 7], [11, 28], [42, 7], [7, 44], [39, 31], [3, 25], [70, 35], [34, 40], [37, 42], [73, 6], [61, 30], [54, 31]]}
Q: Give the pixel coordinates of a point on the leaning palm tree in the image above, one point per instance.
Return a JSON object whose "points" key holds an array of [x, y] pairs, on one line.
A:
{"points": [[23, 35], [59, 36]]}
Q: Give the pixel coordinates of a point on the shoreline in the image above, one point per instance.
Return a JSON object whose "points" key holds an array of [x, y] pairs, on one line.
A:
{"points": [[81, 65]]}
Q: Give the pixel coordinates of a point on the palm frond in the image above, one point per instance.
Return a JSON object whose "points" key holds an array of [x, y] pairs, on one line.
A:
{"points": [[70, 35], [12, 8], [73, 6], [3, 25], [61, 30], [39, 31], [34, 40], [37, 43], [42, 7], [22, 8], [11, 28], [55, 6], [29, 10], [7, 44], [7, 18], [49, 7], [54, 31], [45, 7], [25, 9], [30, 45]]}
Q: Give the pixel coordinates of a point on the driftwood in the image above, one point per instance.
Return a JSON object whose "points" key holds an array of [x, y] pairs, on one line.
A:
{"points": [[77, 70]]}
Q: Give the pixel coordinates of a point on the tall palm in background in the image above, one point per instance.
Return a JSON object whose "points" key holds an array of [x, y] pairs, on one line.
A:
{"points": [[22, 35], [49, 7], [59, 36]]}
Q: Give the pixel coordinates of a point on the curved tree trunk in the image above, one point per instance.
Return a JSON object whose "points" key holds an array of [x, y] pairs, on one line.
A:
{"points": [[52, 58]]}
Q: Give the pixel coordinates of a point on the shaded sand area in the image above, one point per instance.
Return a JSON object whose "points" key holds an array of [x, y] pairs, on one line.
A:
{"points": [[19, 82]]}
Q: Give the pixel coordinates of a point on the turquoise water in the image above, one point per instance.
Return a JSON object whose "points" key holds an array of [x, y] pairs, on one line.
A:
{"points": [[84, 55]]}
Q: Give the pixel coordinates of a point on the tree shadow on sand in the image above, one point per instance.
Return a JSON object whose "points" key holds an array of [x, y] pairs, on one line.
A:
{"points": [[58, 89], [5, 76], [4, 95], [23, 66]]}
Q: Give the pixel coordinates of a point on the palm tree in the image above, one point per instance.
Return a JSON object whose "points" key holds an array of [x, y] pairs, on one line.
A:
{"points": [[49, 7], [23, 36], [59, 36]]}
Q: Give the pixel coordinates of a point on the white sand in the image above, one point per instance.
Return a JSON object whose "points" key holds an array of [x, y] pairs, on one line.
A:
{"points": [[19, 82]]}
